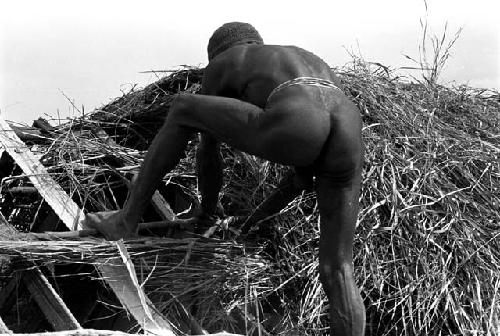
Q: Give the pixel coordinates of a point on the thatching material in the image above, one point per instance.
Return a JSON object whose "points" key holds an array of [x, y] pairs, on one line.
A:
{"points": [[175, 270], [427, 251], [81, 332], [428, 242], [93, 332], [134, 118]]}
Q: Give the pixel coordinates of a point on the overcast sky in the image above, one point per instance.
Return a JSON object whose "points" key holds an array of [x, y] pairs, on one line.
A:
{"points": [[91, 51]]}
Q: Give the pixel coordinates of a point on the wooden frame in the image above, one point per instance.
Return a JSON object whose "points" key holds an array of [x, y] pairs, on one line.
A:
{"points": [[130, 296]]}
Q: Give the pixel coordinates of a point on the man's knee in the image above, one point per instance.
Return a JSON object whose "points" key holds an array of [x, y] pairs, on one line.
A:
{"points": [[179, 108], [340, 168]]}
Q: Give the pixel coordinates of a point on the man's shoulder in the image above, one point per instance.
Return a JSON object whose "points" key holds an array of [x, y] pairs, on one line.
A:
{"points": [[235, 67], [246, 57], [240, 54], [220, 74]]}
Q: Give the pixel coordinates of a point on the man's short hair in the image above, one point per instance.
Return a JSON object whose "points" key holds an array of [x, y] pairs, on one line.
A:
{"points": [[230, 34]]}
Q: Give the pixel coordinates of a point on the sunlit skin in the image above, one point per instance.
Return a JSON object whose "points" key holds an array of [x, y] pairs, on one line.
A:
{"points": [[314, 130]]}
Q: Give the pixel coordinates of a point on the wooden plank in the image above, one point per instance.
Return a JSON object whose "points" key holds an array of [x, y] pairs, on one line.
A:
{"points": [[175, 223], [7, 294], [3, 328], [119, 280], [51, 191], [162, 207], [71, 215], [50, 303], [95, 332]]}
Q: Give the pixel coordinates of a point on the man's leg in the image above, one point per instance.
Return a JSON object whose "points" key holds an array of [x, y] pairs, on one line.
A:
{"points": [[223, 119], [279, 134], [242, 125], [163, 155], [337, 185], [338, 207]]}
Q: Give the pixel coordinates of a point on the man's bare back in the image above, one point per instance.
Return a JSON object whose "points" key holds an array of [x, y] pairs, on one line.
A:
{"points": [[251, 71], [309, 125]]}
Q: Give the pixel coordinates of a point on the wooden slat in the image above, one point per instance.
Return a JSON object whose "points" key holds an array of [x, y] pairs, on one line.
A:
{"points": [[120, 282], [50, 303], [51, 191], [3, 328], [94, 332], [7, 294], [71, 215], [162, 207]]}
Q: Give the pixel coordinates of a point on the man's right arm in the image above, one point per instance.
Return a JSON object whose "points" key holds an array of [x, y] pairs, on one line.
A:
{"points": [[208, 156], [209, 171], [290, 186]]}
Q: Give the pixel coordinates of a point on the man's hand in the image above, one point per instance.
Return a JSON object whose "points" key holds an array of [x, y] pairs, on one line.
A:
{"points": [[205, 222], [110, 224]]}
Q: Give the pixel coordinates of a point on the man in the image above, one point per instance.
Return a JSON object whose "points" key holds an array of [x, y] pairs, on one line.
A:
{"points": [[283, 104]]}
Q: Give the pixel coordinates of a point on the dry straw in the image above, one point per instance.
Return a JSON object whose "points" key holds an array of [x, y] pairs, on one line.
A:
{"points": [[428, 237]]}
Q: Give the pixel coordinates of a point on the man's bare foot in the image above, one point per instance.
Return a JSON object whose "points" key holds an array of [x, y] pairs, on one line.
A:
{"points": [[110, 224]]}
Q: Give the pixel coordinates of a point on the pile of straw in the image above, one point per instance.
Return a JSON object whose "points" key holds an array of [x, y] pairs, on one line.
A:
{"points": [[427, 253]]}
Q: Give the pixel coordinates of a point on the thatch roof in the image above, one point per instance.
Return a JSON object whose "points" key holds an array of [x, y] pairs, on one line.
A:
{"points": [[427, 252]]}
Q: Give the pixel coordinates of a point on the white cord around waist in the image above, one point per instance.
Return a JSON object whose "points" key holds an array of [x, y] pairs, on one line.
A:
{"points": [[311, 81]]}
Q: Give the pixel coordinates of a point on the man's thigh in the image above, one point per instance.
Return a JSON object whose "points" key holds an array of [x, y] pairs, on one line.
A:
{"points": [[342, 155], [287, 134]]}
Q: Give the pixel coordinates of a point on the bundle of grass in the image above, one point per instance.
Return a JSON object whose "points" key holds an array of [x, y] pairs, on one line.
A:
{"points": [[135, 117], [428, 242], [427, 250], [178, 274]]}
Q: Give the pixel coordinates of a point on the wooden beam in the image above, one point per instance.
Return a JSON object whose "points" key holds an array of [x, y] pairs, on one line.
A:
{"points": [[176, 223], [7, 294], [31, 321], [3, 328], [51, 191], [50, 303], [94, 332], [71, 215], [81, 332], [162, 207]]}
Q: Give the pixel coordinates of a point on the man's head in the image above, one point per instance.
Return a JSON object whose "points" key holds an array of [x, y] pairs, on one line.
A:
{"points": [[231, 34]]}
